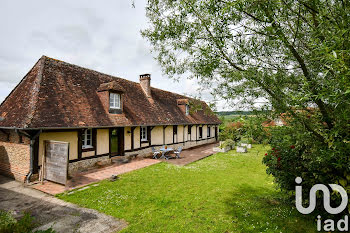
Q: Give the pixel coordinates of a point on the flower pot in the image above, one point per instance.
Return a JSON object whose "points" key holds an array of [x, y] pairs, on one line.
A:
{"points": [[241, 149], [249, 146], [218, 149]]}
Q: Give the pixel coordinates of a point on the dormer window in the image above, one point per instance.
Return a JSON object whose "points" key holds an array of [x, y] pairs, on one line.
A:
{"points": [[187, 109], [114, 101]]}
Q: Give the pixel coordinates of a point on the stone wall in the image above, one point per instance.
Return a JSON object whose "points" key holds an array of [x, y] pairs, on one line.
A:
{"points": [[14, 155], [85, 164]]}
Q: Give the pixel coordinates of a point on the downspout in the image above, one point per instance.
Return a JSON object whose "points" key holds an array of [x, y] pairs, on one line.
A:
{"points": [[32, 141]]}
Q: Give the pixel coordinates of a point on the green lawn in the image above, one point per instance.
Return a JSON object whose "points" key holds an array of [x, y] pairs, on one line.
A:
{"points": [[226, 192]]}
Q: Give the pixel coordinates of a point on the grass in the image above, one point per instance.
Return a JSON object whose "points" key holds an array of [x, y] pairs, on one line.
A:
{"points": [[227, 192]]}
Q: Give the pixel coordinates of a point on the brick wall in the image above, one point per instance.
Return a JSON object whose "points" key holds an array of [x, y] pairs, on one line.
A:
{"points": [[14, 155]]}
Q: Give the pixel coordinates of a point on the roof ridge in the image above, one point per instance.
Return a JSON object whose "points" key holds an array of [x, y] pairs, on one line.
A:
{"points": [[36, 91], [112, 76]]}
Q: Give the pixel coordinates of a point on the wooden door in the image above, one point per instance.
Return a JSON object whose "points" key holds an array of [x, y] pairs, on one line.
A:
{"points": [[56, 159], [116, 141]]}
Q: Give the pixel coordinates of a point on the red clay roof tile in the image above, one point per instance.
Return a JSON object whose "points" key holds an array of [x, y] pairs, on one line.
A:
{"points": [[56, 94]]}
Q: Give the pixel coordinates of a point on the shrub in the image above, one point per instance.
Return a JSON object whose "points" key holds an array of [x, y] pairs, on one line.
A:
{"points": [[254, 130], [292, 157], [230, 131], [227, 143], [249, 128], [8, 224]]}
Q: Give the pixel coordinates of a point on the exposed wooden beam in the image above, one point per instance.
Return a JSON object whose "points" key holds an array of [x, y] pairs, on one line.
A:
{"points": [[132, 137]]}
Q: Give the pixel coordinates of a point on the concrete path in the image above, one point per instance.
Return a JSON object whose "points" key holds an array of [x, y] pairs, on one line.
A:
{"points": [[52, 212]]}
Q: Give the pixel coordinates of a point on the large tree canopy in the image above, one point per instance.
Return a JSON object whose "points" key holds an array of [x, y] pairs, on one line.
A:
{"points": [[295, 53]]}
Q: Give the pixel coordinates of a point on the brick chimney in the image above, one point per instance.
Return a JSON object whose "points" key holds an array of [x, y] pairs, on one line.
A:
{"points": [[145, 82]]}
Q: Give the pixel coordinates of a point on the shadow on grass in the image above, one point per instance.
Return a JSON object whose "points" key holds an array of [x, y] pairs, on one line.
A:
{"points": [[254, 209]]}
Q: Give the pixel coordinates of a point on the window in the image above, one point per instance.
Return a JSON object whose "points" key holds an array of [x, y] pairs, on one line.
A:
{"points": [[114, 101], [208, 132], [143, 133], [200, 132], [187, 109], [175, 129], [175, 134], [87, 139], [188, 132]]}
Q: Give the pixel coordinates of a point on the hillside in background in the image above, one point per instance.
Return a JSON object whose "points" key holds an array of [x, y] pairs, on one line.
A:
{"points": [[234, 113]]}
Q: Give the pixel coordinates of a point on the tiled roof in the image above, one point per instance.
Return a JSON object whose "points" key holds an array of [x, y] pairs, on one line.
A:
{"points": [[56, 94]]}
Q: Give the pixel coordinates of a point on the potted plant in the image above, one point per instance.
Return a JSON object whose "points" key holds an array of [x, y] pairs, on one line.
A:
{"points": [[225, 146], [246, 143], [242, 147], [230, 143]]}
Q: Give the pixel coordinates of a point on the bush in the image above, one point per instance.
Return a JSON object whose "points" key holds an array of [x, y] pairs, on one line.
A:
{"points": [[8, 224], [227, 143], [297, 155], [230, 131], [254, 130], [249, 128]]}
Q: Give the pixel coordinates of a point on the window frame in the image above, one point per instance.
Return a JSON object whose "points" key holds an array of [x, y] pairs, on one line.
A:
{"points": [[143, 134], [189, 129], [175, 139], [114, 107], [200, 132], [187, 109], [208, 131], [85, 137]]}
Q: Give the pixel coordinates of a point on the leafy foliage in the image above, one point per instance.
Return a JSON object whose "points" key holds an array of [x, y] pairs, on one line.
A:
{"points": [[231, 131], [245, 129], [291, 157], [294, 54], [8, 224], [227, 143]]}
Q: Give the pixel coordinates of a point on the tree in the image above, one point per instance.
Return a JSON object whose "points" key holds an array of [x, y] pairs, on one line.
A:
{"points": [[294, 53]]}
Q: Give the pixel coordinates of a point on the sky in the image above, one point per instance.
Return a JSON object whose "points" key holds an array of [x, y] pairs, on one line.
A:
{"points": [[100, 35]]}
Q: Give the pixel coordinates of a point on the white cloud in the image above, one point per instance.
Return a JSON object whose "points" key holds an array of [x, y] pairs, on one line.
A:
{"points": [[100, 35]]}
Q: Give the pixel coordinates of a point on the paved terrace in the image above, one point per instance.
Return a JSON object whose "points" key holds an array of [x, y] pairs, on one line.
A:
{"points": [[95, 175], [193, 154]]}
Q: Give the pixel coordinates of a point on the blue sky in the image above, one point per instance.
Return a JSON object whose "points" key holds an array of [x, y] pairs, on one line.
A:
{"points": [[100, 35]]}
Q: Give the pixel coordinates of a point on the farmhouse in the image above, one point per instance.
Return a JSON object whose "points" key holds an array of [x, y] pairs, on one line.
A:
{"points": [[99, 115]]}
